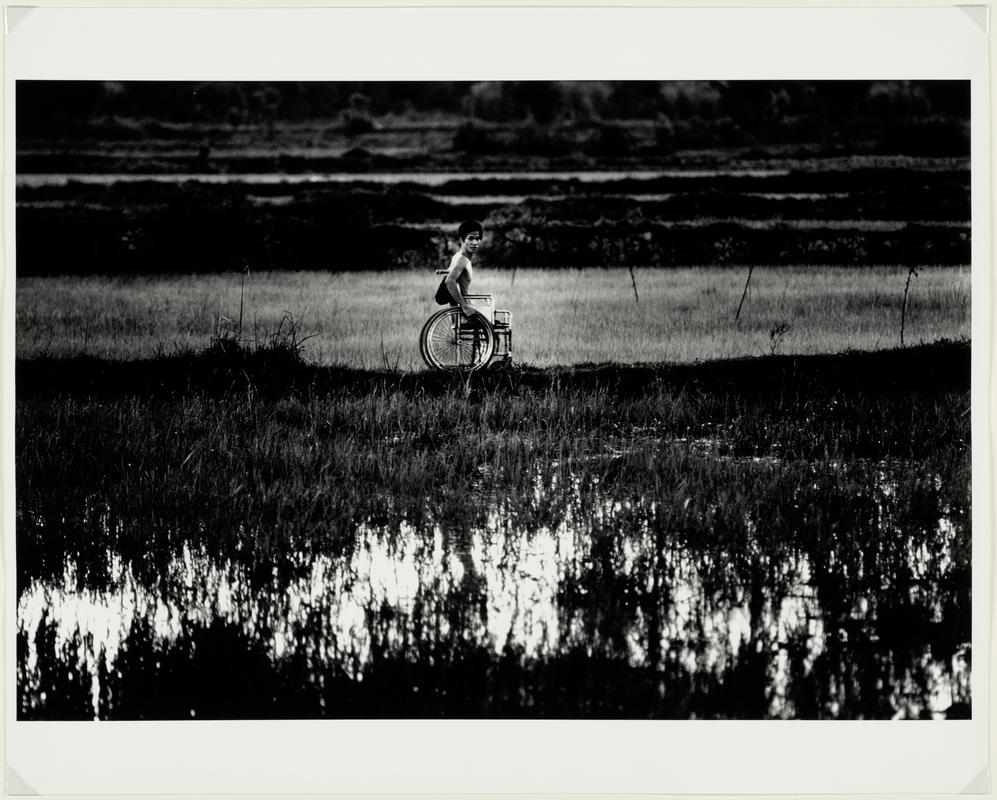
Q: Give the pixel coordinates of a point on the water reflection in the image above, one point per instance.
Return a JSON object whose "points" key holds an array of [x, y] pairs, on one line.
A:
{"points": [[610, 612]]}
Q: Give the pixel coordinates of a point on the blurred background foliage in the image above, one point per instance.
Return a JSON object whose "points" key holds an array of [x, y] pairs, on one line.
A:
{"points": [[925, 117]]}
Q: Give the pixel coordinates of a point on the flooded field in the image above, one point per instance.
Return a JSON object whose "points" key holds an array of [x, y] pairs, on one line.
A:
{"points": [[339, 557], [817, 212]]}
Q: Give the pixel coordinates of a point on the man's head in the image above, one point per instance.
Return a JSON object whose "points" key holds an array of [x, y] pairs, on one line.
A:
{"points": [[469, 233], [468, 227]]}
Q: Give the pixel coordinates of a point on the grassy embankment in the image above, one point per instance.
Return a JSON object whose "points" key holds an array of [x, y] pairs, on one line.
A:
{"points": [[370, 320]]}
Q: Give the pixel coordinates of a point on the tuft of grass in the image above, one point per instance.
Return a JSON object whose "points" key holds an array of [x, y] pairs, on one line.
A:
{"points": [[280, 349]]}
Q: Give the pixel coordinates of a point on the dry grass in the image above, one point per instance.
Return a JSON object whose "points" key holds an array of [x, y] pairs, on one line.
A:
{"points": [[560, 316]]}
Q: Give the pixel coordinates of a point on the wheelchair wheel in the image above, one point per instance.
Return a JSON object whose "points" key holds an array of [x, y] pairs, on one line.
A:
{"points": [[451, 341]]}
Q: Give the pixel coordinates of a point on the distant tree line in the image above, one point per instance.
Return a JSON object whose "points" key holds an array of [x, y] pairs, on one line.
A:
{"points": [[762, 108]]}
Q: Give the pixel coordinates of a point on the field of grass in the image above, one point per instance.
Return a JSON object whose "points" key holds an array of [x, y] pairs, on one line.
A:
{"points": [[372, 320]]}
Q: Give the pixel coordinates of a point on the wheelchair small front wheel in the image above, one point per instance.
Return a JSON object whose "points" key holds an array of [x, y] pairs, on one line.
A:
{"points": [[451, 341]]}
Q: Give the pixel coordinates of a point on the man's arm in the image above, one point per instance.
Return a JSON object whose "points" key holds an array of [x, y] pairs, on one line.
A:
{"points": [[452, 286]]}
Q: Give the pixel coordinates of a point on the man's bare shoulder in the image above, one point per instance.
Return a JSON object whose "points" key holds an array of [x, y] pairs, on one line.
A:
{"points": [[459, 260]]}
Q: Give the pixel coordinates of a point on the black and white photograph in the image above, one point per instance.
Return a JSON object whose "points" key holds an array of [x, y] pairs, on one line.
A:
{"points": [[488, 400]]}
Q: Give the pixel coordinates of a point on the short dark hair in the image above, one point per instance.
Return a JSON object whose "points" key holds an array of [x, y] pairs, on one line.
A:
{"points": [[468, 227]]}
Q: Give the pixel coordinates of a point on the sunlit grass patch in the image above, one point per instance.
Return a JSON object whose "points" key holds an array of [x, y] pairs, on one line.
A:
{"points": [[566, 317]]}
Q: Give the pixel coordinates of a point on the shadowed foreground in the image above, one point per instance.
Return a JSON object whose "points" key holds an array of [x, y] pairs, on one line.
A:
{"points": [[238, 534]]}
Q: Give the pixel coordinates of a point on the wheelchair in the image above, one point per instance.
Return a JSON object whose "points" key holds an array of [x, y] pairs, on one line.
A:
{"points": [[452, 342]]}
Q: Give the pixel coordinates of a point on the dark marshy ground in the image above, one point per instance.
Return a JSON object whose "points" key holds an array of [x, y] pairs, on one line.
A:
{"points": [[240, 534]]}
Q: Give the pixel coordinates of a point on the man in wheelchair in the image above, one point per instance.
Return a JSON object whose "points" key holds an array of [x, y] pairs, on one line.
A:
{"points": [[457, 283], [470, 333]]}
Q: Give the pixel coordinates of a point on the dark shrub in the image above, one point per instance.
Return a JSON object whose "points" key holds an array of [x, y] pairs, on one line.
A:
{"points": [[474, 140], [355, 125], [612, 140], [540, 140], [664, 135], [927, 137], [357, 118]]}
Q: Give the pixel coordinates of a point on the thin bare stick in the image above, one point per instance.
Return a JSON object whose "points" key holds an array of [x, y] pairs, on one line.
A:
{"points": [[633, 280], [744, 294], [384, 354], [242, 297], [903, 311]]}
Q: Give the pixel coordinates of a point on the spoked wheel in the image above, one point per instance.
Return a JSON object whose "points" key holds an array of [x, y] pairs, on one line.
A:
{"points": [[451, 341]]}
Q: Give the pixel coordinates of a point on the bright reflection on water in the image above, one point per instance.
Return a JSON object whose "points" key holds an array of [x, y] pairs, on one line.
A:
{"points": [[541, 618]]}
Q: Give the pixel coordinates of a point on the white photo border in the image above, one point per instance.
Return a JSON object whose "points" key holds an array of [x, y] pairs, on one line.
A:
{"points": [[509, 43]]}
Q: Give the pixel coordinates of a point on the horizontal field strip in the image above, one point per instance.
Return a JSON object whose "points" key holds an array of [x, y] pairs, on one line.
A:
{"points": [[516, 199], [912, 204], [878, 219], [181, 152], [247, 158], [435, 179], [858, 225], [862, 194], [754, 182], [899, 370]]}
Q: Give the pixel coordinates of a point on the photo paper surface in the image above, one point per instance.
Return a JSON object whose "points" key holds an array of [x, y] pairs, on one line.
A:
{"points": [[677, 465]]}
